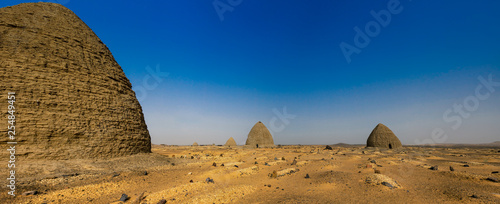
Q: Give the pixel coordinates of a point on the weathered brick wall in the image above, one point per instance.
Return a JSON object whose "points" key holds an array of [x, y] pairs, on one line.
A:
{"points": [[73, 100]]}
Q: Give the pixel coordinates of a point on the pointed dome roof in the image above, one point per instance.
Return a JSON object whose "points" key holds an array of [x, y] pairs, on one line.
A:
{"points": [[259, 135], [382, 136], [231, 142]]}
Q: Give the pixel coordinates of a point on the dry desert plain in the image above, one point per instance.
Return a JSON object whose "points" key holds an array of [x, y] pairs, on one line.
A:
{"points": [[282, 174]]}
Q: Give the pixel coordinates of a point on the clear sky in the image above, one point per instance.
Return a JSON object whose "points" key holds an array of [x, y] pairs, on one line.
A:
{"points": [[338, 67]]}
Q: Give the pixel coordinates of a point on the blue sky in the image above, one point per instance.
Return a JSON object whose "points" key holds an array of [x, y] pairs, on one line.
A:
{"points": [[226, 74]]}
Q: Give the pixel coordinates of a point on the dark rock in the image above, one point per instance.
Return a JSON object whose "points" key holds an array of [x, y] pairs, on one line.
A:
{"points": [[373, 161], [474, 196], [30, 193], [214, 164], [145, 173], [282, 158], [269, 185], [328, 147], [451, 168], [466, 165], [209, 180], [266, 164], [163, 201], [173, 164], [387, 184], [494, 172], [222, 165], [274, 174], [191, 181], [377, 171], [192, 157], [236, 166], [493, 179], [307, 176], [124, 197], [294, 162], [435, 168], [256, 163], [116, 174], [275, 158]]}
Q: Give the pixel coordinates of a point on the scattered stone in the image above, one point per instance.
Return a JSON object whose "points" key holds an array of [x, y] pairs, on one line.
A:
{"points": [[192, 157], [222, 165], [145, 173], [466, 165], [236, 166], [190, 173], [266, 164], [474, 196], [373, 161], [363, 152], [274, 174], [435, 168], [173, 164], [377, 179], [139, 199], [275, 158], [283, 158], [30, 193], [494, 172], [214, 164], [221, 155], [209, 180], [307, 176], [294, 162], [256, 163], [163, 201], [124, 197], [377, 171], [387, 184], [269, 185], [116, 174], [451, 168], [191, 181], [493, 179], [328, 147]]}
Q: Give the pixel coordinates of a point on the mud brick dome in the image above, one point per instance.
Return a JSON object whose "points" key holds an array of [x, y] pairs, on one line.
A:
{"points": [[73, 100], [259, 135], [383, 137], [230, 142]]}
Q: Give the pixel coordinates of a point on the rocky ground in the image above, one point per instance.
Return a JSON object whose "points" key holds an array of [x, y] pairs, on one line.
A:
{"points": [[287, 174]]}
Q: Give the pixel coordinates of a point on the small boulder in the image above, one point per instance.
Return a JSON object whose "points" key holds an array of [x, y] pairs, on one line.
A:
{"points": [[163, 201], [435, 168], [387, 184], [307, 176], [30, 193], [451, 168], [124, 197], [493, 179], [328, 147]]}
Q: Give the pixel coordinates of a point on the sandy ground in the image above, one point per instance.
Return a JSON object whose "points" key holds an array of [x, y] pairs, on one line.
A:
{"points": [[241, 175]]}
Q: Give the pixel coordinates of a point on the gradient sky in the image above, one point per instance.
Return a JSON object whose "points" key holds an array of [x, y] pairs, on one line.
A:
{"points": [[224, 75]]}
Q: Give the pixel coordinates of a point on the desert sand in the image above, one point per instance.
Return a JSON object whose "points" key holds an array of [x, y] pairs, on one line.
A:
{"points": [[345, 174]]}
